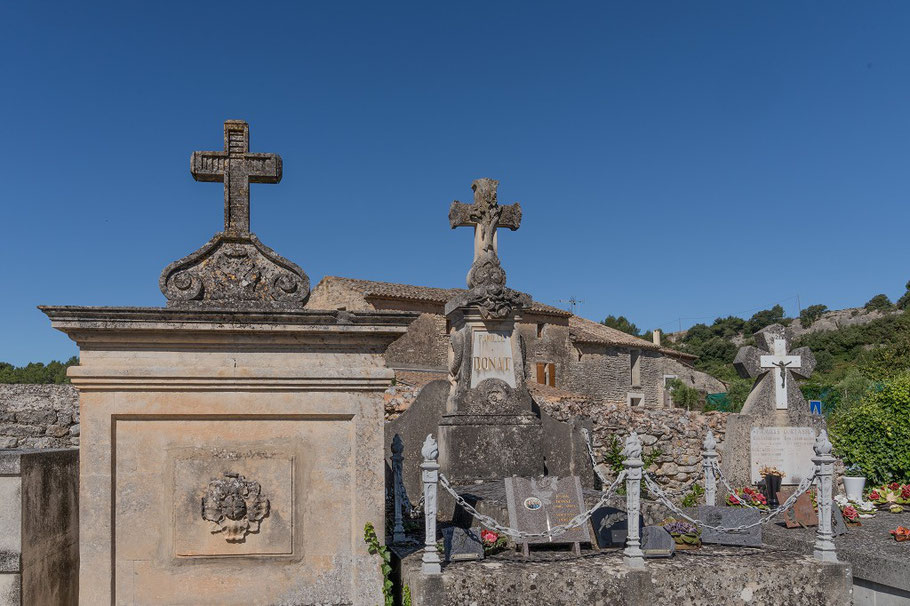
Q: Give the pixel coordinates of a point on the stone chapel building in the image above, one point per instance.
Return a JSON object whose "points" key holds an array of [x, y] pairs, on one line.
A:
{"points": [[565, 353]]}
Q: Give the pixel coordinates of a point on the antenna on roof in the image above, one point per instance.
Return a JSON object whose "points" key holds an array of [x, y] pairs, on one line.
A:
{"points": [[572, 302]]}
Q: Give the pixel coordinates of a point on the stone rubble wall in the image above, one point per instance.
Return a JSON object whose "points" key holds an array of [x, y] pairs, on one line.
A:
{"points": [[676, 433], [38, 416]]}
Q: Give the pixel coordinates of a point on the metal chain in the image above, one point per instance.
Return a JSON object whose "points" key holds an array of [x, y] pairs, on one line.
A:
{"points": [[801, 489], [730, 489], [519, 535]]}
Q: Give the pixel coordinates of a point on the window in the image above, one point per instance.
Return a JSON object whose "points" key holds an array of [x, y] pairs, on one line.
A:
{"points": [[635, 399], [546, 374], [635, 367], [540, 330]]}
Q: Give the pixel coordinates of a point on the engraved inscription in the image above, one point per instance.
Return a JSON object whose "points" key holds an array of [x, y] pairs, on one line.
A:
{"points": [[491, 357]]}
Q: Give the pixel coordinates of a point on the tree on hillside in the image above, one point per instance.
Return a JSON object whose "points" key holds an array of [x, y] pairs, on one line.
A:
{"points": [[879, 303], [763, 318], [808, 316], [621, 323], [904, 301]]}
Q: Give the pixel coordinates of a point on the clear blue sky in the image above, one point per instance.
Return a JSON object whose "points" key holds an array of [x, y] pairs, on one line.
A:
{"points": [[673, 159]]}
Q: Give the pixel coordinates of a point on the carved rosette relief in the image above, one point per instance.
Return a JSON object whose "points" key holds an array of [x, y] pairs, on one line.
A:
{"points": [[234, 506]]}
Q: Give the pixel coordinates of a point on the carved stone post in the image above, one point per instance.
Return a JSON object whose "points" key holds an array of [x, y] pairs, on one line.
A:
{"points": [[824, 468], [430, 475], [633, 463], [397, 458], [708, 461]]}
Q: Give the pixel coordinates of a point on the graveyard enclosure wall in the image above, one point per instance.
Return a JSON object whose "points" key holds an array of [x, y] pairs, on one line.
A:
{"points": [[676, 433], [38, 416]]}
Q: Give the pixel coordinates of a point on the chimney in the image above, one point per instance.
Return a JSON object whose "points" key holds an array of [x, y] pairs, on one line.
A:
{"points": [[656, 336]]}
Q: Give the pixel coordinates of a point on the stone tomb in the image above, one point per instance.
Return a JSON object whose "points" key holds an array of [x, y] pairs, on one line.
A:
{"points": [[232, 442], [539, 504]]}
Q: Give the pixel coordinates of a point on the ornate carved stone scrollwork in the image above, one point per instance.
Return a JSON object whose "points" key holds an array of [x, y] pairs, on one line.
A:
{"points": [[235, 270], [234, 506]]}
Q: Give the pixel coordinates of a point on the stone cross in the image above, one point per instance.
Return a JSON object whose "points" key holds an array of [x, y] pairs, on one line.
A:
{"points": [[237, 168], [485, 214], [773, 357]]}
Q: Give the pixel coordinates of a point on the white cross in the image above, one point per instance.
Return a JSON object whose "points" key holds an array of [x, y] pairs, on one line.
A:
{"points": [[781, 363]]}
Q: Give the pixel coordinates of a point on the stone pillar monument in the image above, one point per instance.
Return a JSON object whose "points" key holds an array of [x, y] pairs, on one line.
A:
{"points": [[232, 441], [489, 430]]}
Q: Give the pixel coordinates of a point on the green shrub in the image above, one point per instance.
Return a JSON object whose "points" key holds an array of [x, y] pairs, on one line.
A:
{"points": [[875, 433], [812, 313], [879, 303], [684, 396]]}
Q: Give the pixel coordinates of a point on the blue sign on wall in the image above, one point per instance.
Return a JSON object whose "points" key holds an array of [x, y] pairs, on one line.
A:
{"points": [[815, 407]]}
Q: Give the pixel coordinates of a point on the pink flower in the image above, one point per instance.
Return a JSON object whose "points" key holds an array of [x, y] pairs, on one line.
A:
{"points": [[874, 495], [905, 492], [894, 486], [488, 536], [850, 513]]}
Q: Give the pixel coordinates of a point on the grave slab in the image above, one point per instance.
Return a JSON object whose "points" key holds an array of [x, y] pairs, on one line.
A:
{"points": [[728, 517]]}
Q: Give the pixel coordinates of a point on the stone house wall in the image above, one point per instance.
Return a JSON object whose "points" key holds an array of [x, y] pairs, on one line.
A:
{"points": [[605, 373], [39, 416]]}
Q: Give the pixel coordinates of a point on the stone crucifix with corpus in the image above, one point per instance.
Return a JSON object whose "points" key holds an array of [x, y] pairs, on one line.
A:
{"points": [[774, 366], [237, 168]]}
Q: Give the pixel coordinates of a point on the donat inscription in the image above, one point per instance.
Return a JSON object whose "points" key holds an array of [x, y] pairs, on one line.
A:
{"points": [[491, 357]]}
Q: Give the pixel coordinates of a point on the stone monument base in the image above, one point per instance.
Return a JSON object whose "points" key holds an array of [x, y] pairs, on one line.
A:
{"points": [[711, 575], [490, 447]]}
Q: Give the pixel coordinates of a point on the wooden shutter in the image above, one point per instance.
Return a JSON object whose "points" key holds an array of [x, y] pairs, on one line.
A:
{"points": [[552, 368], [541, 373]]}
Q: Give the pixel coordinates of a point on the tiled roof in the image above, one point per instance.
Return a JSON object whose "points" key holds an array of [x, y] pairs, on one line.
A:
{"points": [[409, 292], [585, 331]]}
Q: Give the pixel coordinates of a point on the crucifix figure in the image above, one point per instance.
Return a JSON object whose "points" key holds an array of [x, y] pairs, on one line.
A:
{"points": [[485, 214], [237, 168], [772, 359]]}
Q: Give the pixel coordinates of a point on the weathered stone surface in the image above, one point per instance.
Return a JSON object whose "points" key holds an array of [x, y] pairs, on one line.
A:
{"points": [[461, 544], [657, 542], [711, 575], [31, 410], [39, 521], [234, 269], [728, 517], [288, 399]]}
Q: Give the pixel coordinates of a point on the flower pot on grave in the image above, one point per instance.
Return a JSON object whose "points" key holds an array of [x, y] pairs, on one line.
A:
{"points": [[853, 486], [772, 487]]}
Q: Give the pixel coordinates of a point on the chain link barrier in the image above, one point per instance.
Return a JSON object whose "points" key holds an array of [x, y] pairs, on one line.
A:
{"points": [[732, 492], [413, 511], [791, 500], [521, 536]]}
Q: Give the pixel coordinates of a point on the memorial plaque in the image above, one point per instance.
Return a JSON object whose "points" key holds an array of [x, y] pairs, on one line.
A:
{"points": [[802, 514], [539, 504], [728, 517], [789, 449], [657, 542], [462, 544], [611, 526], [492, 357]]}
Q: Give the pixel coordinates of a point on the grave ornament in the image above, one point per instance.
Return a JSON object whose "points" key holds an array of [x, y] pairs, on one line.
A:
{"points": [[773, 367], [235, 269]]}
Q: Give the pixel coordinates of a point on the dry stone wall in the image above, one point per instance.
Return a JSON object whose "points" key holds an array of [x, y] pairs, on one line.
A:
{"points": [[676, 433], [39, 416]]}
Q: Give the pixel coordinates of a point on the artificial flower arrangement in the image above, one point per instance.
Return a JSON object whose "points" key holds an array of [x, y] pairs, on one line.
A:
{"points": [[901, 534], [851, 515], [863, 509], [770, 471], [891, 497], [747, 496], [685, 535], [492, 542]]}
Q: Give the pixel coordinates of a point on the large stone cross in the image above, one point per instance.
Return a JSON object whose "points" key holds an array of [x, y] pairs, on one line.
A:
{"points": [[754, 362], [485, 214], [237, 168]]}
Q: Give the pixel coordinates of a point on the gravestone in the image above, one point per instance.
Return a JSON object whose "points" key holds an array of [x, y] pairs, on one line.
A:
{"points": [[461, 544], [728, 517], [611, 526], [231, 442], [490, 429], [802, 514], [657, 542], [776, 407], [839, 526], [539, 504]]}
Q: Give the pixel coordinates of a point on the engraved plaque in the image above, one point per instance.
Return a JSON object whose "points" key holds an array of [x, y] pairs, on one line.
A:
{"points": [[790, 449], [491, 357]]}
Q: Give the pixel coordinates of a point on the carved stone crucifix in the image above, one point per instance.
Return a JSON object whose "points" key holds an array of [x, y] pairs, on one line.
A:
{"points": [[772, 355], [485, 214], [781, 363], [237, 168]]}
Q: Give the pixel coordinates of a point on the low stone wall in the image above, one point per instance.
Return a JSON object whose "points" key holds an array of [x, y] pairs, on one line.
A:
{"points": [[39, 416], [676, 433]]}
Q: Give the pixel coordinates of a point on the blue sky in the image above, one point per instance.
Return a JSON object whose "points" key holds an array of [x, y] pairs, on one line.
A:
{"points": [[673, 159]]}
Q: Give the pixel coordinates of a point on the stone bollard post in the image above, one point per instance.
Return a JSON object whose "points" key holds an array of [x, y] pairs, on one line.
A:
{"points": [[824, 468], [430, 475], [634, 556], [397, 483], [708, 461]]}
